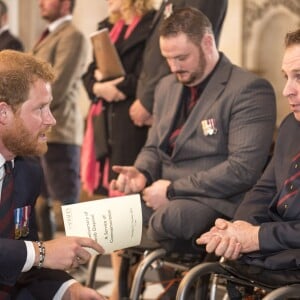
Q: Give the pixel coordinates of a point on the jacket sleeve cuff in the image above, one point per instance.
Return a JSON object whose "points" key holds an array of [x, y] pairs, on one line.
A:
{"points": [[147, 105], [170, 192], [149, 180]]}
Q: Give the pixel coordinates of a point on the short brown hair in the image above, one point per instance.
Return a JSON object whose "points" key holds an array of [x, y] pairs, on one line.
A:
{"points": [[292, 38], [189, 21], [18, 72]]}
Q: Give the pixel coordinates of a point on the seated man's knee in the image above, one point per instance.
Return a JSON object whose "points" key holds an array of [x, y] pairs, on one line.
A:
{"points": [[181, 219], [164, 222]]}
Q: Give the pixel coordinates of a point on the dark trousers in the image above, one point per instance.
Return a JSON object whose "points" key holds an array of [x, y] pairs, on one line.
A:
{"points": [[177, 224], [61, 186]]}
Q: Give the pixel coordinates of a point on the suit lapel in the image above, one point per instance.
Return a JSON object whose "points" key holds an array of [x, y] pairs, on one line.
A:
{"points": [[205, 103], [158, 15], [50, 36], [166, 122]]}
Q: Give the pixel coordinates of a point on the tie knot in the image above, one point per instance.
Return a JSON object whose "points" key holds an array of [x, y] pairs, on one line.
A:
{"points": [[45, 33], [8, 167]]}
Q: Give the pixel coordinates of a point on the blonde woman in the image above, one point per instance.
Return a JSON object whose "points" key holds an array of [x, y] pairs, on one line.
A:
{"points": [[129, 23]]}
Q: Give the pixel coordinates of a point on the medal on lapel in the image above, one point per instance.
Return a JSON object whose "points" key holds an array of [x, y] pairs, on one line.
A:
{"points": [[21, 218], [209, 127]]}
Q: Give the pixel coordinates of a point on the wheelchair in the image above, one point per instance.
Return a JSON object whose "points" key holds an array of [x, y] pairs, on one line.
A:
{"points": [[242, 281], [151, 255]]}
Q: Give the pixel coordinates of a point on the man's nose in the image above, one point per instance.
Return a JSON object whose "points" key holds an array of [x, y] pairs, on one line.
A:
{"points": [[49, 118], [174, 65]]}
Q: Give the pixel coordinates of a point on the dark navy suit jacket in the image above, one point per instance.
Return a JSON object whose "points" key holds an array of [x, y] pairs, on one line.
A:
{"points": [[279, 224], [42, 283]]}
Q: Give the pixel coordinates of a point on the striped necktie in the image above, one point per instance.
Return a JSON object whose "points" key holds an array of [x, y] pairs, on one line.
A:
{"points": [[291, 185], [7, 203]]}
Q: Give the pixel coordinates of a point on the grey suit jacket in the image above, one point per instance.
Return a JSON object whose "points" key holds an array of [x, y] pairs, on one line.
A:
{"points": [[215, 169], [66, 50]]}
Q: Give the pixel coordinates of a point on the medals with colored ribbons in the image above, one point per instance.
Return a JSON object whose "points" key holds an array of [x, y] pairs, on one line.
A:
{"points": [[21, 218], [209, 127]]}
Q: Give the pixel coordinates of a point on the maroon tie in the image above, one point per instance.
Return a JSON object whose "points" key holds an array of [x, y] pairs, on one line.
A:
{"points": [[43, 35], [191, 102], [7, 203], [193, 98]]}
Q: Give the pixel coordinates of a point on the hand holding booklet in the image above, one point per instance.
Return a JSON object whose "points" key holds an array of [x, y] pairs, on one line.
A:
{"points": [[115, 223]]}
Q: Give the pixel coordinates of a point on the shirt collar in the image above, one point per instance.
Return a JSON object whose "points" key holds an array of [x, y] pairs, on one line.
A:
{"points": [[3, 160], [52, 26]]}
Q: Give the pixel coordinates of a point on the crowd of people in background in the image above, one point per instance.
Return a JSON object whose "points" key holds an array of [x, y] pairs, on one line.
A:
{"points": [[7, 39]]}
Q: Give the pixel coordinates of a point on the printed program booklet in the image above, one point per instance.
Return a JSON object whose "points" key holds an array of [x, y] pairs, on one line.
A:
{"points": [[115, 223]]}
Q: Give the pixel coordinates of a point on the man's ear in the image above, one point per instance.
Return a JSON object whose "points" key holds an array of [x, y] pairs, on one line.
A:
{"points": [[208, 42], [3, 112]]}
